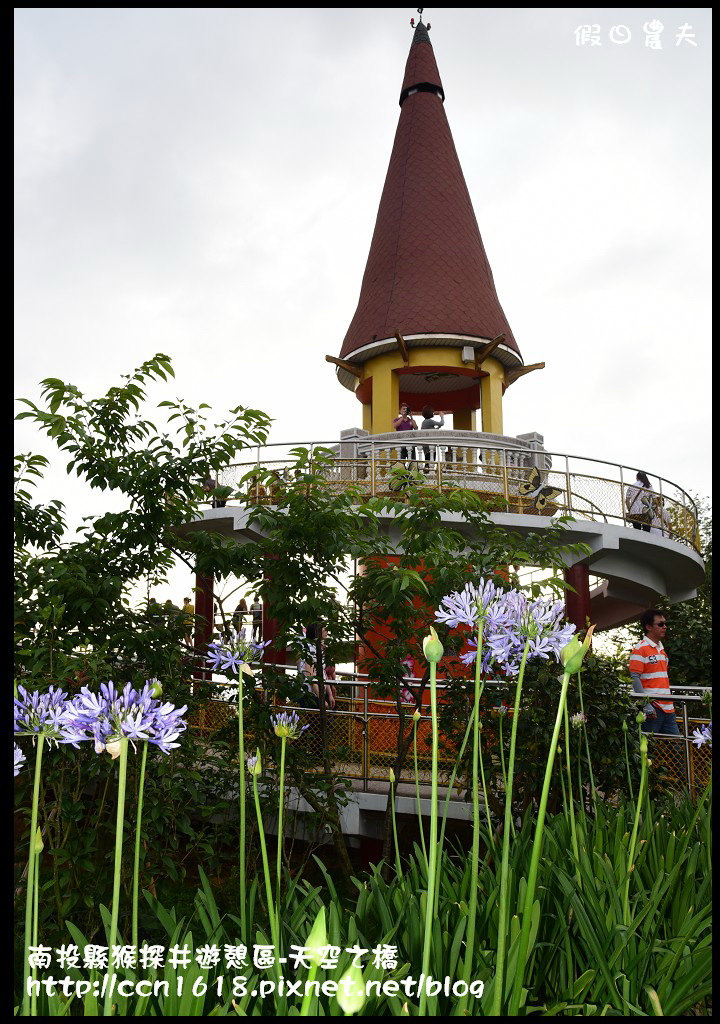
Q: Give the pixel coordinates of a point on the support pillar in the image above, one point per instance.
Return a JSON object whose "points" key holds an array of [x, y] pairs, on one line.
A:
{"points": [[204, 616], [577, 605], [270, 630], [464, 420], [491, 397]]}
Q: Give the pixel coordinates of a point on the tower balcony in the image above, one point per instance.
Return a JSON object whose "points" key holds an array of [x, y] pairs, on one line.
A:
{"points": [[524, 487]]}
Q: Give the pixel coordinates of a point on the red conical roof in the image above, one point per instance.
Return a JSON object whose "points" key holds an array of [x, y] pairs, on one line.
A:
{"points": [[427, 272]]}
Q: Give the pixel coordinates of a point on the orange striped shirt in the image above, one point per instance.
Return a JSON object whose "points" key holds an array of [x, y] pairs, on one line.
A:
{"points": [[650, 662]]}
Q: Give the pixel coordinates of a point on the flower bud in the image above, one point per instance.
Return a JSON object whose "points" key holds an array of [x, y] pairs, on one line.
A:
{"points": [[643, 745], [624, 726], [351, 991], [640, 717], [573, 653], [432, 648], [316, 943], [254, 764], [156, 688], [392, 777], [416, 716], [38, 845], [246, 670]]}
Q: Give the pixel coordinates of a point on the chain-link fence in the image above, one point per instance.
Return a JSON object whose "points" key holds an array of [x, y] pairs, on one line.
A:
{"points": [[510, 475], [361, 733]]}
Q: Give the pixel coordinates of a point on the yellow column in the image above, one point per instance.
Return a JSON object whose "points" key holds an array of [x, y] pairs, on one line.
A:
{"points": [[464, 420], [367, 417], [491, 397], [386, 391]]}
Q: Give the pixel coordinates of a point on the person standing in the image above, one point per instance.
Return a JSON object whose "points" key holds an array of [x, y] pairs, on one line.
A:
{"points": [[640, 502], [404, 421], [238, 619], [430, 423], [188, 610], [256, 611], [649, 674]]}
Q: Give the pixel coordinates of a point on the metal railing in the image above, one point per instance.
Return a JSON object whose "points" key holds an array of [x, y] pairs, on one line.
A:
{"points": [[361, 734], [511, 475]]}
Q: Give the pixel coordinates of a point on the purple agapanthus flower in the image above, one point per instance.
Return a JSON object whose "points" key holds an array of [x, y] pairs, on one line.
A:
{"points": [[110, 715], [229, 657], [45, 714], [19, 759], [510, 620], [287, 725], [703, 735]]}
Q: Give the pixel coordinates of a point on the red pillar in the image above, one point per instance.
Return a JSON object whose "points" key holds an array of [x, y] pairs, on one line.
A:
{"points": [[270, 630], [204, 616], [272, 655], [577, 605]]}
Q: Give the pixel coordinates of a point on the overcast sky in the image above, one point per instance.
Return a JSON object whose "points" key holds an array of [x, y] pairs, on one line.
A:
{"points": [[205, 182]]}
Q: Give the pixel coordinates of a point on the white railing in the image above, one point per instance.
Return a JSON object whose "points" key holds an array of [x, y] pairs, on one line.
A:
{"points": [[511, 474]]}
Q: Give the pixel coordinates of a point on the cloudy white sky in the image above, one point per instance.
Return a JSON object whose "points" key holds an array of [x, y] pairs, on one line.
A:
{"points": [[204, 182]]}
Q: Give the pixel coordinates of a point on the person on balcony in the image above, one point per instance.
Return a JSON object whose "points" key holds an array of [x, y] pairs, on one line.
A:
{"points": [[404, 421], [430, 423], [256, 610], [649, 674], [640, 501]]}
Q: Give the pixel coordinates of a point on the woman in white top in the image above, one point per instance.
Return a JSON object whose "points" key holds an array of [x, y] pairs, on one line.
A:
{"points": [[640, 502]]}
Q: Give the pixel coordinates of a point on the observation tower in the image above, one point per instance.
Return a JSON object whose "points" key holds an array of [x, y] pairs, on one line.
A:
{"points": [[429, 329]]}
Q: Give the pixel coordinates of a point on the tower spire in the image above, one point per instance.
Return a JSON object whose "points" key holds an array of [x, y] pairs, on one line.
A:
{"points": [[427, 275]]}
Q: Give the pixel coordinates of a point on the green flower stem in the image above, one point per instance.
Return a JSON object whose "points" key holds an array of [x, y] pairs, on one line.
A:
{"points": [[119, 823], [484, 789], [580, 781], [429, 907], [571, 800], [633, 837], [458, 760], [501, 716], [475, 855], [505, 862], [266, 870], [31, 872], [417, 794], [36, 893], [627, 765], [535, 856], [398, 867], [562, 782], [241, 809], [280, 837], [587, 742], [138, 828]]}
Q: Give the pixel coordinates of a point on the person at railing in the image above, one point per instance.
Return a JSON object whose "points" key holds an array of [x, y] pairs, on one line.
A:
{"points": [[238, 619], [404, 421], [188, 610], [640, 502], [308, 668], [256, 609], [649, 674], [430, 423]]}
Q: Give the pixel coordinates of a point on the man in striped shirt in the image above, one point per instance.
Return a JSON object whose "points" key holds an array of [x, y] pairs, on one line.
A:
{"points": [[649, 674]]}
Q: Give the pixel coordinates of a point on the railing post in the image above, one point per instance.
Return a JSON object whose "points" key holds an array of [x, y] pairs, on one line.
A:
{"points": [[686, 730], [568, 488], [366, 738], [372, 468], [622, 496], [506, 490]]}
